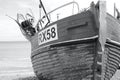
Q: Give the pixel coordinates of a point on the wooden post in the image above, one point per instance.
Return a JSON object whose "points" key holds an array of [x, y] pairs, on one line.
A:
{"points": [[102, 33]]}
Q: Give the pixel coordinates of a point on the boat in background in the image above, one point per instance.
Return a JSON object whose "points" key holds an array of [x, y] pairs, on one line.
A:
{"points": [[84, 46]]}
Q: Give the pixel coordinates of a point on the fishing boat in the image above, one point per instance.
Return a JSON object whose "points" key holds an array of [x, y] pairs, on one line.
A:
{"points": [[83, 46]]}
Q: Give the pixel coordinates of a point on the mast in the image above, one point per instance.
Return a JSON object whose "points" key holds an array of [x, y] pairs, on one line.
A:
{"points": [[41, 7], [114, 9], [41, 4]]}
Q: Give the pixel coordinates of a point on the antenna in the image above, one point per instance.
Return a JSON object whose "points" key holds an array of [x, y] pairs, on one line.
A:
{"points": [[10, 17], [40, 10], [13, 19], [114, 9]]}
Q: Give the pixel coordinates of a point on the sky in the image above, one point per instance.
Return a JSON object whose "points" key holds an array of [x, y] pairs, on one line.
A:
{"points": [[14, 48], [9, 30]]}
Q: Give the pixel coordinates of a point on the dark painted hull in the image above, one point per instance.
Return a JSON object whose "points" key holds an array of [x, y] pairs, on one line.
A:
{"points": [[68, 62], [73, 55]]}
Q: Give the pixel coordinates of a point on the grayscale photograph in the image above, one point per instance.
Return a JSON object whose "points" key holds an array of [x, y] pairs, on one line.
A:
{"points": [[59, 39]]}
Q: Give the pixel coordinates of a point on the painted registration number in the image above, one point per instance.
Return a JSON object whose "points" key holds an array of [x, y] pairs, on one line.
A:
{"points": [[48, 34]]}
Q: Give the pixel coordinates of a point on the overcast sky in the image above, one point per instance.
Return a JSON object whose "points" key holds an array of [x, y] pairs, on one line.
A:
{"points": [[9, 30]]}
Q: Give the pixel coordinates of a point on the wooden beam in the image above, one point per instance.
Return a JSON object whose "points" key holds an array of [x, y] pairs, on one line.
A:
{"points": [[102, 32]]}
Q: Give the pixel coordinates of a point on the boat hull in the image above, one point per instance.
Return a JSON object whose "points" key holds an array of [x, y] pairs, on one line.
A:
{"points": [[84, 46], [74, 61], [73, 55], [74, 27]]}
